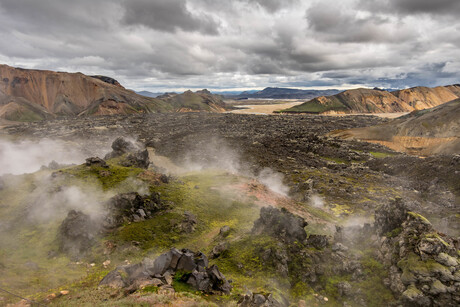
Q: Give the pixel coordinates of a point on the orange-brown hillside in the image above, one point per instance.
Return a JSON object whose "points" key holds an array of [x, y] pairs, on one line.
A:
{"points": [[378, 101], [27, 94], [423, 132]]}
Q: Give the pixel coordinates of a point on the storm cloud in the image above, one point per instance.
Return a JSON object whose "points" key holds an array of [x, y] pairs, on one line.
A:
{"points": [[171, 45]]}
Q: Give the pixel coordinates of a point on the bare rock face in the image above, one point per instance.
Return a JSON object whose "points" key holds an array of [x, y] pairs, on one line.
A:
{"points": [[131, 207], [390, 216], [77, 234], [192, 268], [281, 224], [423, 264]]}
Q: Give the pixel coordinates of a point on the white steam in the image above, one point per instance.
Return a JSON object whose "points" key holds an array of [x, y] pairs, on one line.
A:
{"points": [[28, 156], [316, 201], [216, 154], [50, 202], [273, 180]]}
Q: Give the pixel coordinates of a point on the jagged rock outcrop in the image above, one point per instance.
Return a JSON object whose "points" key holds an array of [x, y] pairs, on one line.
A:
{"points": [[281, 224], [423, 264], [183, 265], [131, 207], [390, 216], [132, 156], [96, 161], [76, 234], [259, 300], [108, 80]]}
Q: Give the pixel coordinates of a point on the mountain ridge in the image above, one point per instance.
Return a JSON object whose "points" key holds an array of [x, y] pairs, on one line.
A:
{"points": [[364, 100], [28, 95], [423, 132]]}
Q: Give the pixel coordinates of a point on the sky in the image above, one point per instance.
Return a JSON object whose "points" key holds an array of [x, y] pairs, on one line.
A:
{"points": [[173, 45]]}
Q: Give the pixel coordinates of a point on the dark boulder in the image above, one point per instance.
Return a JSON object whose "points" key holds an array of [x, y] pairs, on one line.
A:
{"points": [[218, 250], [390, 216], [120, 147], [260, 299], [96, 161], [317, 241], [193, 268], [131, 207], [137, 159], [281, 224], [76, 235], [187, 225], [133, 157]]}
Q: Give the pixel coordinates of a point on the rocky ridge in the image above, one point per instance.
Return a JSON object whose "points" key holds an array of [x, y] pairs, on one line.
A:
{"points": [[379, 101], [29, 95], [423, 264]]}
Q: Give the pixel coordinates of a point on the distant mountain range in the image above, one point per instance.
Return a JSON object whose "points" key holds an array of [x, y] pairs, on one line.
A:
{"points": [[379, 101], [283, 93], [28, 95], [149, 94]]}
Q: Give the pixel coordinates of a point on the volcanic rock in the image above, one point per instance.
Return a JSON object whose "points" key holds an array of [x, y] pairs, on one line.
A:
{"points": [[193, 269], [218, 250], [96, 161], [281, 224], [188, 224], [120, 147], [133, 158], [131, 207], [76, 234], [390, 216], [260, 300], [422, 262], [317, 241]]}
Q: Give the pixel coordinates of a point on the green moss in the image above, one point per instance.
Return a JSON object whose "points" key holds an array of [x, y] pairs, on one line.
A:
{"points": [[158, 232], [436, 236], [414, 264], [419, 217], [394, 233], [179, 283], [381, 155], [372, 283], [109, 178]]}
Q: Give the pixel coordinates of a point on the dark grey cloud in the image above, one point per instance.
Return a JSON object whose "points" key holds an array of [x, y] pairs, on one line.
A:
{"points": [[273, 5], [168, 15], [410, 7], [337, 24], [237, 44]]}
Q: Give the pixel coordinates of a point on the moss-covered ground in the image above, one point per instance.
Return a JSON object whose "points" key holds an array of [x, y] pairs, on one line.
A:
{"points": [[30, 267]]}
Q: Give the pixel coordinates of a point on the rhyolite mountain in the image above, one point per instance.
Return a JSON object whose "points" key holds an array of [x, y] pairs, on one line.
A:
{"points": [[424, 132], [379, 101], [27, 95], [284, 93]]}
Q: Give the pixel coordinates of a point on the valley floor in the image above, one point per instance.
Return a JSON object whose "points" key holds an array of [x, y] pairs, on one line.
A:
{"points": [[222, 169]]}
